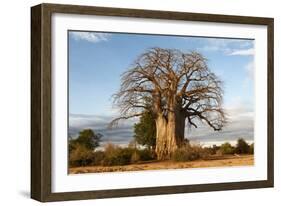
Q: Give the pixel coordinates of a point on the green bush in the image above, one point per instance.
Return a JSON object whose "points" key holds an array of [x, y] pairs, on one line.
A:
{"points": [[189, 153], [146, 154], [242, 147], [226, 148]]}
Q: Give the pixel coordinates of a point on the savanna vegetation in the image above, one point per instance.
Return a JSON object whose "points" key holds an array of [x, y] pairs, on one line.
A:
{"points": [[82, 151]]}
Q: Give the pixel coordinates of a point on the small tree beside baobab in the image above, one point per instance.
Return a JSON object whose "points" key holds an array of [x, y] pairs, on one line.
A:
{"points": [[145, 131], [181, 88]]}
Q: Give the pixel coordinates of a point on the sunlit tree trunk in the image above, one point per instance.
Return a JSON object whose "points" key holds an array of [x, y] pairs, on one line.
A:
{"points": [[161, 137], [170, 134]]}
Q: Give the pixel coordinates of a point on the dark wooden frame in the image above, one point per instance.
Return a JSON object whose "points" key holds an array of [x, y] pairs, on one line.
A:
{"points": [[41, 101]]}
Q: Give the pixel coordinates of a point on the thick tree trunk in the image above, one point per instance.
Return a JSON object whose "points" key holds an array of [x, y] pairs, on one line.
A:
{"points": [[175, 130], [170, 134], [180, 127], [161, 137]]}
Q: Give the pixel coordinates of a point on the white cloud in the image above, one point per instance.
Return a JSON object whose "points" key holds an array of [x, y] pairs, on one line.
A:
{"points": [[243, 52], [228, 46], [90, 36], [216, 45], [240, 112]]}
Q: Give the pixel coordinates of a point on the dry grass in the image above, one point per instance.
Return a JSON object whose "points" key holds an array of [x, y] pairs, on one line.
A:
{"points": [[213, 161]]}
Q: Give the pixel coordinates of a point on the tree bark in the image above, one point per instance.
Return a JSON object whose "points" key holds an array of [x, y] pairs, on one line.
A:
{"points": [[161, 137], [170, 134], [179, 127]]}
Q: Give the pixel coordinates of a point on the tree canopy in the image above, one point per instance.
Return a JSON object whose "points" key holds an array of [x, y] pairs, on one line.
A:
{"points": [[88, 138]]}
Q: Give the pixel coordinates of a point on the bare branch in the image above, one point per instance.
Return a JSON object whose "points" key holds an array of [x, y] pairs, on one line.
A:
{"points": [[115, 122], [164, 79], [190, 122]]}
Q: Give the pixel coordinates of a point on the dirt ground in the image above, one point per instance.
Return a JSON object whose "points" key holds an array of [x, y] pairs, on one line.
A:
{"points": [[215, 161]]}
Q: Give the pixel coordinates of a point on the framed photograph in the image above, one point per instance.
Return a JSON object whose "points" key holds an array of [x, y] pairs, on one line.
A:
{"points": [[130, 102]]}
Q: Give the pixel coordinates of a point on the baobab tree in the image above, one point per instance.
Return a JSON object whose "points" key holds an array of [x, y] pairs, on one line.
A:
{"points": [[178, 88]]}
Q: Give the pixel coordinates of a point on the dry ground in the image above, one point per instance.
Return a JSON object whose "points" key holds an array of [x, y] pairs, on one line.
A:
{"points": [[214, 161]]}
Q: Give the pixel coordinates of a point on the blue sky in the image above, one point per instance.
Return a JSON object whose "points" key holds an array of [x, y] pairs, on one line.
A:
{"points": [[96, 61]]}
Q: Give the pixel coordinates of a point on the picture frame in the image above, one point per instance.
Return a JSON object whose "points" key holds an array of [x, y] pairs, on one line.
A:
{"points": [[41, 101]]}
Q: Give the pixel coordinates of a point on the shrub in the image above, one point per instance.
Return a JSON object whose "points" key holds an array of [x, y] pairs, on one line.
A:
{"points": [[135, 157], [214, 149], [80, 156], [71, 146], [123, 156], [189, 153], [226, 148], [184, 154], [115, 155], [252, 148], [97, 158], [146, 154], [242, 147], [109, 149]]}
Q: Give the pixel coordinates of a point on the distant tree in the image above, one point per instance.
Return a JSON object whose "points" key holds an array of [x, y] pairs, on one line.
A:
{"points": [[145, 130], [226, 148], [242, 147], [88, 138]]}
